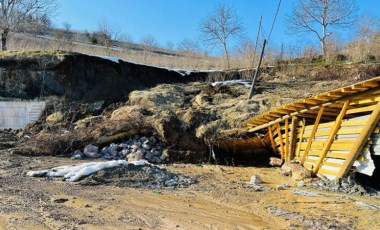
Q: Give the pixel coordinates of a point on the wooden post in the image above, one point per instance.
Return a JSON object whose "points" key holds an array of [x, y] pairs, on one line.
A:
{"points": [[331, 137], [257, 41], [286, 140], [361, 141], [271, 138], [281, 140], [315, 127], [257, 73], [293, 138]]}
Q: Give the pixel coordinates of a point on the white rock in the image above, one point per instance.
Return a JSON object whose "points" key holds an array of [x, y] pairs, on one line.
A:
{"points": [[146, 146], [255, 179]]}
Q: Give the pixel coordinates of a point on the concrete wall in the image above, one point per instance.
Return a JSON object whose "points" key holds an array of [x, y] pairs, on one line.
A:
{"points": [[17, 114]]}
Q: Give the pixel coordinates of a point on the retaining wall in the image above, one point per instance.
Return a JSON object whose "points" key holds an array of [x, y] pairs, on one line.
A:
{"points": [[17, 114]]}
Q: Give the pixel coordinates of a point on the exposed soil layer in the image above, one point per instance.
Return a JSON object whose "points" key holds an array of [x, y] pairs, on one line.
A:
{"points": [[191, 120]]}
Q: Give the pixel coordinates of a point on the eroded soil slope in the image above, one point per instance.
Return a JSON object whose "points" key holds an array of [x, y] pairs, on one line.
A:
{"points": [[188, 118]]}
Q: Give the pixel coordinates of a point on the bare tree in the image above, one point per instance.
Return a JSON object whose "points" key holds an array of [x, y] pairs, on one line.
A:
{"points": [[63, 38], [220, 26], [169, 45], [245, 51], [148, 41], [189, 46], [15, 12], [320, 16], [107, 33], [365, 46]]}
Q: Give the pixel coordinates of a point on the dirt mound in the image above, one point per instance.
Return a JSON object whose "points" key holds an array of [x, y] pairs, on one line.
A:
{"points": [[137, 177], [191, 119]]}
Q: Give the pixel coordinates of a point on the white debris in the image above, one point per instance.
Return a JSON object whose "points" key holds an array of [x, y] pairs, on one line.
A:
{"points": [[306, 193], [255, 179], [370, 206], [230, 82], [74, 173]]}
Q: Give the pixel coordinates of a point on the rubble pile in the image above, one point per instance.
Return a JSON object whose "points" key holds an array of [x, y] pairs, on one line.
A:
{"points": [[121, 173], [347, 185], [148, 176], [134, 149]]}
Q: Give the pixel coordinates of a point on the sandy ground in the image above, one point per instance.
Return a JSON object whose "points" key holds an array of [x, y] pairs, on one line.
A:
{"points": [[220, 200]]}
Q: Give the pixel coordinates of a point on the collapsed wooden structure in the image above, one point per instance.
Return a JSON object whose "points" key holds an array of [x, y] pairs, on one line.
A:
{"points": [[328, 133]]}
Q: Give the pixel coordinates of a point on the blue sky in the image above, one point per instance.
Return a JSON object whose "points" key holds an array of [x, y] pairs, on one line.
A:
{"points": [[176, 20]]}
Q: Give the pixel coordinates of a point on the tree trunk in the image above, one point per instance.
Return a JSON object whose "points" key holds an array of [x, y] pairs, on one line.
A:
{"points": [[227, 55], [323, 41], [4, 36]]}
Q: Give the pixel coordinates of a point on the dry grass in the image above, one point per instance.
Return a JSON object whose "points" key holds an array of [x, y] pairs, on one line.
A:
{"points": [[148, 56]]}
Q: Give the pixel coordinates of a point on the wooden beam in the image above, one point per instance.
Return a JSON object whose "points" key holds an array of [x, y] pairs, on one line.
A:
{"points": [[301, 137], [315, 127], [271, 138], [293, 138], [286, 139], [281, 140], [361, 141], [333, 132]]}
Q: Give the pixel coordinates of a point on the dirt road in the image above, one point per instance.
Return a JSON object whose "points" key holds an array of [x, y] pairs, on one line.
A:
{"points": [[220, 200]]}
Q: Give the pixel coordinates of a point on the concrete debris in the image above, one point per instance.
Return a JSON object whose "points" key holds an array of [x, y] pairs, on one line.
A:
{"points": [[306, 193], [283, 187], [134, 149], [308, 222], [370, 206], [259, 188], [255, 179], [148, 176], [138, 174], [347, 185], [91, 151], [275, 162]]}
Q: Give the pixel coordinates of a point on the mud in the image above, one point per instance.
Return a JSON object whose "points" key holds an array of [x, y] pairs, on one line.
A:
{"points": [[221, 199]]}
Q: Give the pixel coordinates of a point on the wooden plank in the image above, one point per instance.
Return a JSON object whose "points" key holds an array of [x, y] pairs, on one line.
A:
{"points": [[361, 141], [293, 138], [344, 124], [337, 155], [327, 163], [316, 123], [280, 140], [361, 109], [286, 140], [300, 138], [271, 138], [327, 172], [336, 145], [333, 114], [331, 137], [365, 100], [340, 132]]}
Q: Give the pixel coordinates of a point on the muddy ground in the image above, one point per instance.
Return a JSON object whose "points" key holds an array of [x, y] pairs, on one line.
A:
{"points": [[221, 199]]}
